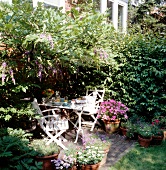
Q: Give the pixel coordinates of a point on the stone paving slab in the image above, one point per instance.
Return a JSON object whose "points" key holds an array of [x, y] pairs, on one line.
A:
{"points": [[120, 146]]}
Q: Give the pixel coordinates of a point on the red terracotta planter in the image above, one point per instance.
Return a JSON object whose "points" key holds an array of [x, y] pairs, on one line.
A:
{"points": [[111, 126], [90, 167], [144, 141], [47, 161], [105, 152], [157, 140], [123, 130]]}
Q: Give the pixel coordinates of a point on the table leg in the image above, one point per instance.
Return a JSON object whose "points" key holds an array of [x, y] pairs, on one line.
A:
{"points": [[79, 130]]}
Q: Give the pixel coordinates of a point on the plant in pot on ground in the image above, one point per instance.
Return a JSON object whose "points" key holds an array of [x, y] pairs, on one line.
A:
{"points": [[144, 134], [129, 129], [111, 112], [45, 153], [89, 157], [100, 141], [66, 158], [157, 133]]}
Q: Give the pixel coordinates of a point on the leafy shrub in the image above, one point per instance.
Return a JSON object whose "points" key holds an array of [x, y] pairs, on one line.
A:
{"points": [[15, 152]]}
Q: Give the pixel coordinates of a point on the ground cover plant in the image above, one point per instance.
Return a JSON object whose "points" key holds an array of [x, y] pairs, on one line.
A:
{"points": [[139, 158]]}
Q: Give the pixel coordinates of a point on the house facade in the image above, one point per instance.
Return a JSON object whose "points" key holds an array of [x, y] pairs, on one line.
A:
{"points": [[117, 9]]}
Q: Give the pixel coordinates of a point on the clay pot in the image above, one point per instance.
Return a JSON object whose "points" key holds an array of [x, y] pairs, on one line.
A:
{"points": [[123, 130], [47, 161], [111, 126], [157, 140], [90, 167], [145, 142], [105, 152]]}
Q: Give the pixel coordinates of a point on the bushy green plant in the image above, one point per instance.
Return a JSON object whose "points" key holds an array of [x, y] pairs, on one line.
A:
{"points": [[145, 130], [39, 145], [89, 155], [156, 128], [15, 152], [131, 128]]}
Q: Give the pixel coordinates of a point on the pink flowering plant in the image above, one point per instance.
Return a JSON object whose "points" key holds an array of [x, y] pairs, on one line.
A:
{"points": [[156, 130], [111, 110]]}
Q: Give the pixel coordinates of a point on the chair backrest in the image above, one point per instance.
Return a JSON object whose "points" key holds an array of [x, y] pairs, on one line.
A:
{"points": [[53, 123], [98, 94], [36, 107], [49, 122]]}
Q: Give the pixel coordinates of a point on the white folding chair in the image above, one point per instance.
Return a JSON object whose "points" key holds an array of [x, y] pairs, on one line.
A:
{"points": [[98, 94], [93, 97], [52, 125]]}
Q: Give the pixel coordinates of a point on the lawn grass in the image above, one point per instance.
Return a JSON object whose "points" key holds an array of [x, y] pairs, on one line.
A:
{"points": [[139, 158]]}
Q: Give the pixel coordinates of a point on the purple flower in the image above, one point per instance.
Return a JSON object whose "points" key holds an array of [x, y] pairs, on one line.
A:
{"points": [[42, 35], [3, 78], [40, 74], [27, 52], [4, 64]]}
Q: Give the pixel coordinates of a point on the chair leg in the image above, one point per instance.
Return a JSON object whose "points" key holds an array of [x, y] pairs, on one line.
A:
{"points": [[78, 131], [54, 138]]}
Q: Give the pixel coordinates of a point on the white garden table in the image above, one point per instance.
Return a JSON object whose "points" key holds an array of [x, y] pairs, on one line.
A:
{"points": [[77, 109]]}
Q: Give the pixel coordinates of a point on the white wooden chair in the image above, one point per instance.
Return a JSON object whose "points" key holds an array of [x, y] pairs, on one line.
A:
{"points": [[93, 97], [98, 94], [52, 125]]}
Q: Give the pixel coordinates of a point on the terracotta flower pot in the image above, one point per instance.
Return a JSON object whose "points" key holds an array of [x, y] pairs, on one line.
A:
{"points": [[157, 140], [105, 152], [47, 161], [111, 126], [90, 167], [145, 142], [123, 130]]}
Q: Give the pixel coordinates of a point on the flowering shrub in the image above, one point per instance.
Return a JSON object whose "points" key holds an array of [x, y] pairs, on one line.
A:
{"points": [[66, 163], [48, 92], [160, 121], [6, 71], [89, 155], [111, 110], [156, 131]]}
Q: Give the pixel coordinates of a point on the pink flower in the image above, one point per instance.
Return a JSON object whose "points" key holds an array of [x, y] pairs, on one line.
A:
{"points": [[111, 110]]}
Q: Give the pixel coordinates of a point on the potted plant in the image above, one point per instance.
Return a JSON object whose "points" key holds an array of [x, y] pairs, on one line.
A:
{"points": [[66, 158], [89, 157], [66, 163], [47, 93], [98, 140], [45, 153], [144, 134], [157, 133], [111, 111], [129, 129], [123, 128]]}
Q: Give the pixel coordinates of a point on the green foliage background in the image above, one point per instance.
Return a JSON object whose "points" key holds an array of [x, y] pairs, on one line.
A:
{"points": [[50, 49]]}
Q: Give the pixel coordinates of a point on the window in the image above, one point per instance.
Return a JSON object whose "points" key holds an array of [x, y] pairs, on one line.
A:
{"points": [[9, 1], [120, 16], [110, 7], [50, 3]]}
